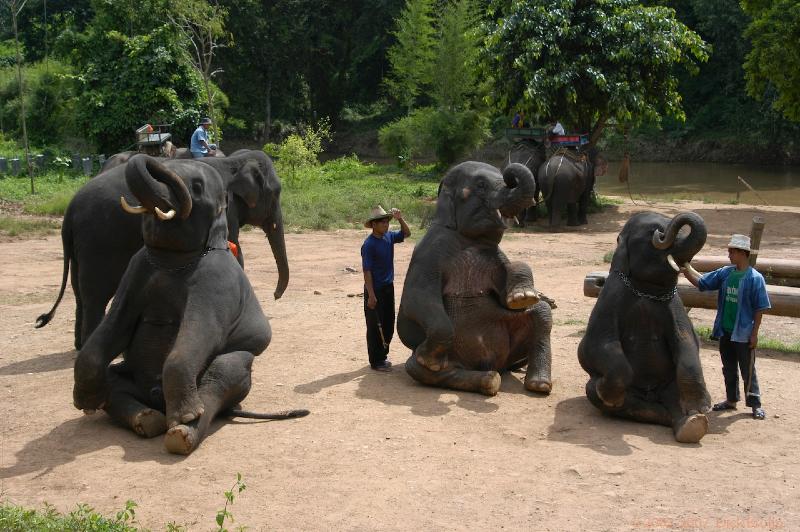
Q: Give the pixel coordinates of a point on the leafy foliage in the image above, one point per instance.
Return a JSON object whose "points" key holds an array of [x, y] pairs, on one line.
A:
{"points": [[83, 518], [455, 73], [299, 150], [773, 64], [586, 61], [412, 56]]}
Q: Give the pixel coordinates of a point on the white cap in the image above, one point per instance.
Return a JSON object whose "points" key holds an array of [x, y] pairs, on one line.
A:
{"points": [[739, 242]]}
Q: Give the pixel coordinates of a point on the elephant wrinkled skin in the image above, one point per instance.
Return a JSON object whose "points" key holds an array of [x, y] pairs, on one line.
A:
{"points": [[99, 239], [184, 317], [640, 349], [466, 311]]}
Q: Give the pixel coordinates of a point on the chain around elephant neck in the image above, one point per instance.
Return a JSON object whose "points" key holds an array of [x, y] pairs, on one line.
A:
{"points": [[663, 297], [191, 264]]}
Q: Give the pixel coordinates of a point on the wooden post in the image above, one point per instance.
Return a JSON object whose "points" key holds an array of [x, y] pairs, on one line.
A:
{"points": [[756, 230]]}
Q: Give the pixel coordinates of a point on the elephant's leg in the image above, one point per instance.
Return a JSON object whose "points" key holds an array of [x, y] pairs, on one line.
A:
{"points": [[520, 292], [432, 352], [605, 361], [97, 282], [634, 407], [125, 407], [225, 383], [483, 382], [74, 269], [537, 377], [572, 214], [583, 207], [688, 426]]}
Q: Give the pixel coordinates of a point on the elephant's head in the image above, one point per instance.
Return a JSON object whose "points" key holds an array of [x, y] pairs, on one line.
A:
{"points": [[651, 246], [474, 198], [254, 193], [183, 205]]}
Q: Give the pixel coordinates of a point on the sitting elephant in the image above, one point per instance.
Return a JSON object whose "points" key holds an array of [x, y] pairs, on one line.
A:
{"points": [[184, 317], [466, 311], [99, 239], [567, 179], [640, 349]]}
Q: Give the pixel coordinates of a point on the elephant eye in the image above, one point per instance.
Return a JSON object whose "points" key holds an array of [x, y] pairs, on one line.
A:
{"points": [[197, 188]]}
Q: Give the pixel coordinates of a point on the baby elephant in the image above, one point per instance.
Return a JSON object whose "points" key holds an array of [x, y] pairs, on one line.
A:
{"points": [[185, 317], [468, 312]]}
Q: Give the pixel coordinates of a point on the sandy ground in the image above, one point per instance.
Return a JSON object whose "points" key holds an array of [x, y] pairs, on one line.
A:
{"points": [[380, 451]]}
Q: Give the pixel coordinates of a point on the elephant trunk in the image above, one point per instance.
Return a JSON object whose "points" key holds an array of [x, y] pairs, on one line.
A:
{"points": [[274, 230], [683, 247], [159, 189], [518, 194]]}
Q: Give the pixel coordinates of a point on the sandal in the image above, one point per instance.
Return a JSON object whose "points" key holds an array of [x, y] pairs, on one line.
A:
{"points": [[724, 405], [758, 413]]}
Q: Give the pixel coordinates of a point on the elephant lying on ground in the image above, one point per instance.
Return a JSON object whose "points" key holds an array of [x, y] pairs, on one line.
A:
{"points": [[467, 312], [99, 239], [640, 348], [184, 317]]}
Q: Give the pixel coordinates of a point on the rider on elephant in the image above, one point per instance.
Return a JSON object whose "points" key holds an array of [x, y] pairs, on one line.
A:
{"points": [[199, 145]]}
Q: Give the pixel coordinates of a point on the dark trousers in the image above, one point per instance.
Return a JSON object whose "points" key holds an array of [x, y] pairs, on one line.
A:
{"points": [[735, 354], [382, 314]]}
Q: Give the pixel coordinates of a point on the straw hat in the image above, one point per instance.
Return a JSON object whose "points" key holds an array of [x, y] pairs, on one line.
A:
{"points": [[377, 213], [739, 242]]}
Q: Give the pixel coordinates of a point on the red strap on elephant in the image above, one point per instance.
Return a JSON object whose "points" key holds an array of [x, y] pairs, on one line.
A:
{"points": [[234, 249]]}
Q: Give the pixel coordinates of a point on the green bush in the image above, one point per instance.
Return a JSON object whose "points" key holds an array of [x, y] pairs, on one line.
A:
{"points": [[299, 151], [83, 518]]}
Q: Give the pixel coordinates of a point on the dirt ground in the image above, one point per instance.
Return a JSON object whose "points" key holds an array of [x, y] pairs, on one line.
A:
{"points": [[380, 451]]}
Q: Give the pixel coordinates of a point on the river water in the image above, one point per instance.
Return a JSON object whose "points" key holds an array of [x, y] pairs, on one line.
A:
{"points": [[716, 183]]}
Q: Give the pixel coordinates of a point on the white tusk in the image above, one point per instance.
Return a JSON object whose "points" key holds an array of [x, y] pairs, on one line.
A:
{"points": [[516, 220], [88, 411], [169, 215], [128, 208], [692, 270], [673, 263], [499, 215]]}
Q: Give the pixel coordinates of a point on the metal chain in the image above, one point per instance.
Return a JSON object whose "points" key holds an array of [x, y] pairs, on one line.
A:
{"points": [[188, 265], [664, 297]]}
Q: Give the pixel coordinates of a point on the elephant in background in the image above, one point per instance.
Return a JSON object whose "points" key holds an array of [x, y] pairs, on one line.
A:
{"points": [[184, 317], [640, 349], [99, 239], [531, 155], [567, 179], [169, 151], [467, 312]]}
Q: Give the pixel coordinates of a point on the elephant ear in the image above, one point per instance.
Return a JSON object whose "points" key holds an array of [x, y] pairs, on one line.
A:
{"points": [[218, 232], [621, 261], [247, 182], [445, 205]]}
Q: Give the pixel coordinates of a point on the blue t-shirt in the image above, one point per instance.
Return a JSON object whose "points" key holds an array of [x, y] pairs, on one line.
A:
{"points": [[195, 145], [377, 256]]}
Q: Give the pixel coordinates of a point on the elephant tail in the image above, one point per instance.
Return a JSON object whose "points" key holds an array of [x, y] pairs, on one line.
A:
{"points": [[66, 241], [286, 414]]}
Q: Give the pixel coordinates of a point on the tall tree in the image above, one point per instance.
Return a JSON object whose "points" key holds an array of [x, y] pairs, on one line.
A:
{"points": [[412, 56], [588, 61], [14, 7], [454, 75], [773, 64]]}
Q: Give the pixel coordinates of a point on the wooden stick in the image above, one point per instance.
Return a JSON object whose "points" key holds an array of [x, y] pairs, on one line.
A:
{"points": [[745, 183], [756, 230]]}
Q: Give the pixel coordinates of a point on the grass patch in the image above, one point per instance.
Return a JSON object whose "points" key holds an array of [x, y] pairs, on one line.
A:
{"points": [[12, 226], [17, 519], [571, 321], [608, 256], [54, 190], [770, 344]]}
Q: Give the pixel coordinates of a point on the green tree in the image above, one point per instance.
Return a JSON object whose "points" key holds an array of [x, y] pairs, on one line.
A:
{"points": [[412, 56], [454, 75], [588, 61], [773, 64]]}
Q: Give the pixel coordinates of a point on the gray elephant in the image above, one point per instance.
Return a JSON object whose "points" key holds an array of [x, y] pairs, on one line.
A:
{"points": [[567, 179], [99, 239], [168, 151], [185, 317], [640, 349], [467, 312], [531, 155]]}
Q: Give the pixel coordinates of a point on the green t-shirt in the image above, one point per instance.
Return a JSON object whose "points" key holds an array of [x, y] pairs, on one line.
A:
{"points": [[731, 300]]}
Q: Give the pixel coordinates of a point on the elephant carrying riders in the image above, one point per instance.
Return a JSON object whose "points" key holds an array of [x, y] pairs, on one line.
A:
{"points": [[741, 302], [377, 261], [199, 145]]}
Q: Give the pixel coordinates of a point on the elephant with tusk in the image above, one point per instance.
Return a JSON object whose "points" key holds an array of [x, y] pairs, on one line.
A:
{"points": [[640, 349], [184, 317], [467, 312], [99, 238]]}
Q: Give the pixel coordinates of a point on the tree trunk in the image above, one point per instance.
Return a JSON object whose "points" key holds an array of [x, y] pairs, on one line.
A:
{"points": [[14, 13], [268, 110]]}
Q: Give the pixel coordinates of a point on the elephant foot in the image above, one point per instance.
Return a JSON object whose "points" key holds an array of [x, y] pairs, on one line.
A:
{"points": [[432, 363], [522, 298], [610, 399], [189, 409], [490, 383], [539, 386], [181, 439], [149, 423], [691, 428]]}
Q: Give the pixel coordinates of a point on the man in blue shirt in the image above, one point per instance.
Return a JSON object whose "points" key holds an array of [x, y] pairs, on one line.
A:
{"points": [[377, 262], [199, 145], [741, 303]]}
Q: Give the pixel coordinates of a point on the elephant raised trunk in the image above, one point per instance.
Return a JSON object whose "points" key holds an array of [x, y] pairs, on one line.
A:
{"points": [[159, 189], [682, 248], [274, 231], [520, 187]]}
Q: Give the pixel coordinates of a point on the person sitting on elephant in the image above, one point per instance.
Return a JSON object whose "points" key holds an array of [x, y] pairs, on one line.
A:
{"points": [[518, 120], [377, 261], [741, 303], [199, 145]]}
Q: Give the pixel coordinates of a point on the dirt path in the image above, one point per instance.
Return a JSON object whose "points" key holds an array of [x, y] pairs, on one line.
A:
{"points": [[380, 451]]}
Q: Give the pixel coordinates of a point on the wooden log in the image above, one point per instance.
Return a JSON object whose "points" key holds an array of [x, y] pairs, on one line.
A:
{"points": [[785, 300], [789, 268], [756, 230]]}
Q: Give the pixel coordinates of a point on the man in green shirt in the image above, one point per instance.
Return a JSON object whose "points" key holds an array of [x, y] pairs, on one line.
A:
{"points": [[741, 302]]}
